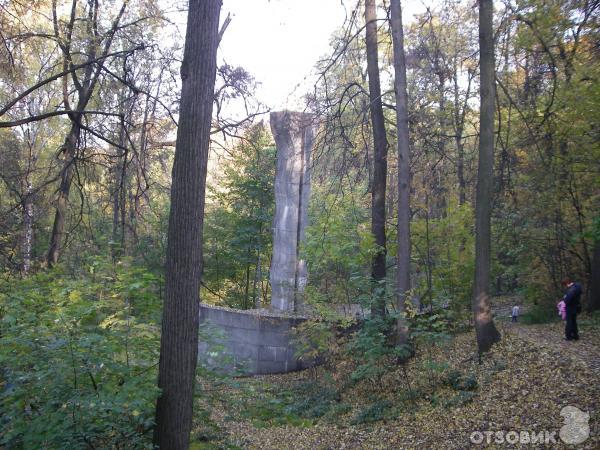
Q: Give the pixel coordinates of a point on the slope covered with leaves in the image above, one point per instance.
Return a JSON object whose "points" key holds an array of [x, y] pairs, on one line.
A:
{"points": [[440, 398]]}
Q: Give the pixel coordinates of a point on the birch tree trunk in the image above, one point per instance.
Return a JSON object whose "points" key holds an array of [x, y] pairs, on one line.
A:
{"points": [[487, 334], [27, 240], [179, 340]]}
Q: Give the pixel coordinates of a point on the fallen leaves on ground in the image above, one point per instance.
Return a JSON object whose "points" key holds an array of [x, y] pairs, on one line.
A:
{"points": [[522, 385]]}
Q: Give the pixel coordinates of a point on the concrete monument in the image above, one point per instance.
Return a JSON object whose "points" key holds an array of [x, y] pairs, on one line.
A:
{"points": [[294, 134]]}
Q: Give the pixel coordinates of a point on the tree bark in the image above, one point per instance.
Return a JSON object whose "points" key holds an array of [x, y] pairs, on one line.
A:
{"points": [[438, 187], [179, 340], [120, 188], [66, 177], [459, 126], [27, 241], [460, 164], [379, 160], [403, 265], [487, 334]]}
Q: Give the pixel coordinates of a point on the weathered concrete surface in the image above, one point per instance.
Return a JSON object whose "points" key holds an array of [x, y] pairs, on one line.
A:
{"points": [[294, 135], [247, 342]]}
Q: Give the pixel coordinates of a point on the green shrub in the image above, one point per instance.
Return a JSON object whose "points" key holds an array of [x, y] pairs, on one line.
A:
{"points": [[372, 349], [337, 410], [78, 357], [314, 339], [312, 400], [461, 382], [373, 413], [540, 314], [459, 399]]}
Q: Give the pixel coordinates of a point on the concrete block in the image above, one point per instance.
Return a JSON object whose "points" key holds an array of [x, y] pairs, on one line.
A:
{"points": [[267, 353], [283, 354], [274, 339], [244, 336], [245, 367], [265, 367], [218, 317], [247, 343], [274, 324], [246, 321], [244, 351], [272, 353]]}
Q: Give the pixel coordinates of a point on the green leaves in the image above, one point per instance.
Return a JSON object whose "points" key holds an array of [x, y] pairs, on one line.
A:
{"points": [[447, 243], [372, 349], [239, 214], [78, 358]]}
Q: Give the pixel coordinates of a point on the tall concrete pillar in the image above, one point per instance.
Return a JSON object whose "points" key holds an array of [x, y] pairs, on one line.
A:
{"points": [[294, 135]]}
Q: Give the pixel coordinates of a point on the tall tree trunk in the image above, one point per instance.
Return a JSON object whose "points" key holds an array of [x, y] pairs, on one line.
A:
{"points": [[27, 240], [85, 89], [247, 287], [256, 301], [487, 334], [120, 188], [179, 340], [379, 160], [459, 126], [116, 209], [460, 170], [403, 265], [438, 188], [429, 261], [66, 177]]}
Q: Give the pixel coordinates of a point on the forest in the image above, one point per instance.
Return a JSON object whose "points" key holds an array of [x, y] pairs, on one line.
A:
{"points": [[454, 175]]}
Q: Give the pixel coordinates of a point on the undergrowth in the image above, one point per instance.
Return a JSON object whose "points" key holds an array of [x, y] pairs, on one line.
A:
{"points": [[78, 355]]}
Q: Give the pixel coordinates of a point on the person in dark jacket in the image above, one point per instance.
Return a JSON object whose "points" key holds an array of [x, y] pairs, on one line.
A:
{"points": [[572, 300]]}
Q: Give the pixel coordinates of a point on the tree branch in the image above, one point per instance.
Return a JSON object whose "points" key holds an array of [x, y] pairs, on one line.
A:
{"points": [[37, 118], [73, 68]]}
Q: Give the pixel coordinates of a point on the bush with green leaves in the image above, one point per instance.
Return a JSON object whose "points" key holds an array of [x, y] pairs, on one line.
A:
{"points": [[313, 400], [445, 246], [460, 381], [237, 227], [320, 337], [543, 313], [373, 349], [373, 412], [339, 248], [78, 355]]}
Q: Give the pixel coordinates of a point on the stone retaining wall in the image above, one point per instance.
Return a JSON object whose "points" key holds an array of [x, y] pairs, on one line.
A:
{"points": [[247, 341]]}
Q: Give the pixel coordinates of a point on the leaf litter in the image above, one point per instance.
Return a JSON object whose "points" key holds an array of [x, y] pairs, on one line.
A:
{"points": [[521, 385]]}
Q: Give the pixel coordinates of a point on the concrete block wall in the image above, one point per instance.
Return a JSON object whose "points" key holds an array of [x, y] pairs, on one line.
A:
{"points": [[247, 341]]}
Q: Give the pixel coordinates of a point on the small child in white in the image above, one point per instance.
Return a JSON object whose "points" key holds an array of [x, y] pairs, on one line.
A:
{"points": [[562, 309], [515, 313]]}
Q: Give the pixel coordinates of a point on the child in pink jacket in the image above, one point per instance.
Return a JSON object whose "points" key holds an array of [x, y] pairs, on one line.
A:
{"points": [[562, 309]]}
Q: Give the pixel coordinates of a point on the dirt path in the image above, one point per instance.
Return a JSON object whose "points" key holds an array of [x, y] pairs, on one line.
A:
{"points": [[550, 337], [522, 385]]}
